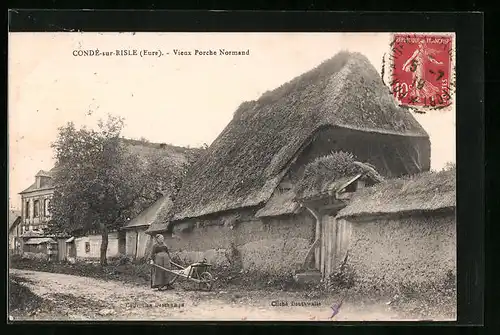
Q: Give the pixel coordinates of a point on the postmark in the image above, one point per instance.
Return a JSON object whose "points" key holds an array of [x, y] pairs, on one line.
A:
{"points": [[422, 70]]}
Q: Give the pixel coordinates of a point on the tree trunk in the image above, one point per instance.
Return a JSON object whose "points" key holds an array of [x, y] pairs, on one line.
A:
{"points": [[104, 245]]}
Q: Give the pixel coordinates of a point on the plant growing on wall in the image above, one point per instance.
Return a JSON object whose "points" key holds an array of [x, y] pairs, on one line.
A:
{"points": [[99, 183]]}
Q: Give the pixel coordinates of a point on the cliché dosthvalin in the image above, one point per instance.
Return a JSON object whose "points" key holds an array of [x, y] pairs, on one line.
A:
{"points": [[281, 303], [275, 303]]}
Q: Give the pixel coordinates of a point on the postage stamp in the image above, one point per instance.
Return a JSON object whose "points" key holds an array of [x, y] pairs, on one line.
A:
{"points": [[422, 69]]}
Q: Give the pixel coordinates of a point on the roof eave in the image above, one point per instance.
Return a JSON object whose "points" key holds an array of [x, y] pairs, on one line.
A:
{"points": [[135, 226], [16, 223], [360, 216], [156, 231], [421, 133], [293, 211], [37, 189]]}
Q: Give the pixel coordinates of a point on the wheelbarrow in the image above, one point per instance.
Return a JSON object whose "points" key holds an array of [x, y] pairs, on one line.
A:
{"points": [[198, 273]]}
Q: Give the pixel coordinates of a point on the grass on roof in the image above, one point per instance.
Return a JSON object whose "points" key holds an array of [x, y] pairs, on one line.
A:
{"points": [[425, 191], [440, 181], [301, 83], [326, 169]]}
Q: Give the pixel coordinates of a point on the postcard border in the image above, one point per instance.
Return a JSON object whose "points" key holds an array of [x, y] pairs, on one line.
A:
{"points": [[468, 28]]}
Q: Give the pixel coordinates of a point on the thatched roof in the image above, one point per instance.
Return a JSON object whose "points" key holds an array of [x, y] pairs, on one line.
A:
{"points": [[331, 173], [153, 215], [428, 191], [281, 203], [245, 163], [322, 177], [31, 233], [177, 155], [40, 240]]}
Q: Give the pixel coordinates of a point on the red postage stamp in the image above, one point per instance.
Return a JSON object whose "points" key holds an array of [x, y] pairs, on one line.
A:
{"points": [[422, 69]]}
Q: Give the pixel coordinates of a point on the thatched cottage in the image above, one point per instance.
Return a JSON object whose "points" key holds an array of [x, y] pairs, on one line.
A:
{"points": [[241, 192], [42, 248]]}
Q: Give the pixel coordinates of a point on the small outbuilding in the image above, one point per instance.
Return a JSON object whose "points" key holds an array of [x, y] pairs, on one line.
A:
{"points": [[88, 246], [41, 248], [70, 247]]}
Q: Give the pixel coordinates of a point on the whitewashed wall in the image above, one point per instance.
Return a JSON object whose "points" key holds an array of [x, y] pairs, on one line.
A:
{"points": [[95, 246], [144, 241], [130, 244], [140, 238]]}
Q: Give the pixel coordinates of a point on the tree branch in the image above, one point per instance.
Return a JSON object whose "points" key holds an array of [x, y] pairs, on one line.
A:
{"points": [[128, 204]]}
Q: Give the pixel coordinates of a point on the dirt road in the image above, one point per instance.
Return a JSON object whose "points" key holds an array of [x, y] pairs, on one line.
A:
{"points": [[82, 298]]}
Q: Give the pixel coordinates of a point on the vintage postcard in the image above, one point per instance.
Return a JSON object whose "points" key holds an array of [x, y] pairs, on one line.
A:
{"points": [[232, 176]]}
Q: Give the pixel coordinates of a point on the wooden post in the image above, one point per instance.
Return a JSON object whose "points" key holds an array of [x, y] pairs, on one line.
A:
{"points": [[310, 254], [317, 252], [136, 243]]}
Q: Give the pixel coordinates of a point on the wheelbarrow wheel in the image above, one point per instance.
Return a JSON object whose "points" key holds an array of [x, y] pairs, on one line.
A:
{"points": [[206, 281]]}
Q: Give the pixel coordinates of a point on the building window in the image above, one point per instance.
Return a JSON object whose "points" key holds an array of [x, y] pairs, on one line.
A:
{"points": [[46, 203], [27, 209], [87, 247], [36, 208]]}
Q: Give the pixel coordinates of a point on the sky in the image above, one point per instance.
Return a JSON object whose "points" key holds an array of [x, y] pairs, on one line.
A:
{"points": [[177, 99]]}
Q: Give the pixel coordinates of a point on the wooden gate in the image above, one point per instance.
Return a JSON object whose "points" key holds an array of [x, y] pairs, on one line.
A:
{"points": [[334, 244], [61, 249], [122, 242], [71, 250]]}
